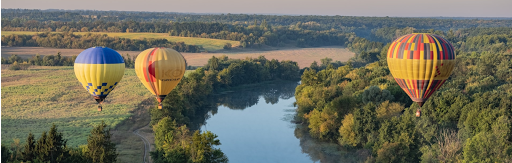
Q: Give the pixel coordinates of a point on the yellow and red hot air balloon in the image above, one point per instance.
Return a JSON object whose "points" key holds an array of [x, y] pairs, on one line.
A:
{"points": [[160, 70], [99, 70], [420, 64]]}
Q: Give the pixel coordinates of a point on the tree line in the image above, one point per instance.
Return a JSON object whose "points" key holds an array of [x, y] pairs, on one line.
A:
{"points": [[467, 120], [347, 23], [256, 34], [18, 63], [51, 147], [71, 41]]}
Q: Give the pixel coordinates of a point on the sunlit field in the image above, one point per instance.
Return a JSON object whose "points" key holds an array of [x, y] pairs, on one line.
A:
{"points": [[303, 56], [34, 98]]}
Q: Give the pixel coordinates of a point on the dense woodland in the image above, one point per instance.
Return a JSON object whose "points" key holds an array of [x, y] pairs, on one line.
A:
{"points": [[356, 104], [467, 120]]}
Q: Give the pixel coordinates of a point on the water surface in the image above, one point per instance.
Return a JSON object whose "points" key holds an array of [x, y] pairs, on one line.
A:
{"points": [[255, 125]]}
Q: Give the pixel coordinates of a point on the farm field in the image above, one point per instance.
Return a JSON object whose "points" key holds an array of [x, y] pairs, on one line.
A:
{"points": [[303, 56], [208, 44], [33, 99]]}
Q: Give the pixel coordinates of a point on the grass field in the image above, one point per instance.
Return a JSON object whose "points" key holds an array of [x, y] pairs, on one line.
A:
{"points": [[34, 99], [208, 44], [303, 56]]}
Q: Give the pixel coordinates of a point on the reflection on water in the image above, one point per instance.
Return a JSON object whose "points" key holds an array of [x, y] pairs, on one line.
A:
{"points": [[254, 125], [248, 97], [326, 152]]}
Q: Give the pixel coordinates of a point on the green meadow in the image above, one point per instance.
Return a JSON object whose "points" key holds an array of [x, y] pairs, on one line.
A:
{"points": [[208, 44], [34, 99]]}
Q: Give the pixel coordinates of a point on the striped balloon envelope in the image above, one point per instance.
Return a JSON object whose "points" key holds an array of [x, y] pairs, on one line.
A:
{"points": [[420, 64], [160, 70], [99, 70]]}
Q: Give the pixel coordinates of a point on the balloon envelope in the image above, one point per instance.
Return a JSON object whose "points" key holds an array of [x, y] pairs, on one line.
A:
{"points": [[160, 70], [420, 64], [99, 70]]}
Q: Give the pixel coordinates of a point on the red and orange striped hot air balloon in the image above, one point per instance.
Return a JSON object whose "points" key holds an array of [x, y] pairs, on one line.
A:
{"points": [[160, 70], [420, 64]]}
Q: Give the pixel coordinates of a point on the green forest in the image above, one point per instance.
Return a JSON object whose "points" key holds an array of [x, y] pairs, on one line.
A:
{"points": [[466, 120], [355, 104]]}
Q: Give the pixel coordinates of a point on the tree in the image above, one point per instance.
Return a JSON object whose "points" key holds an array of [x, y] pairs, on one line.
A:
{"points": [[5, 153], [28, 151], [56, 145], [202, 148], [388, 109], [347, 135], [376, 95], [264, 25], [365, 123], [322, 124], [227, 46], [450, 146], [325, 62], [41, 148], [314, 66], [15, 58], [100, 148], [490, 146]]}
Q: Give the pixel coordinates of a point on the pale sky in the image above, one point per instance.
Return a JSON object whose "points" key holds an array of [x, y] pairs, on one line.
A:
{"points": [[400, 8]]}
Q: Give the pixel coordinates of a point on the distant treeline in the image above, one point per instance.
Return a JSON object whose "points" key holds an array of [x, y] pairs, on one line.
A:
{"points": [[256, 34], [58, 60], [316, 22], [388, 34], [71, 41], [272, 30]]}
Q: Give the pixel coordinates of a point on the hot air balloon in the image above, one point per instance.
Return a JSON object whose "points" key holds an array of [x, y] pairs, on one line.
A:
{"points": [[420, 64], [160, 70], [99, 70]]}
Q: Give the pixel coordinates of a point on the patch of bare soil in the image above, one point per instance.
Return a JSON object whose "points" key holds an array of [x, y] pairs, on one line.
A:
{"points": [[303, 56]]}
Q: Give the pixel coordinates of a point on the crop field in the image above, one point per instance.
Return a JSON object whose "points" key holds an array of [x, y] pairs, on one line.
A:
{"points": [[303, 56], [208, 44]]}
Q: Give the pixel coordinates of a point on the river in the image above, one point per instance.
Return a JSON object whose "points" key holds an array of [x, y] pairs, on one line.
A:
{"points": [[255, 125]]}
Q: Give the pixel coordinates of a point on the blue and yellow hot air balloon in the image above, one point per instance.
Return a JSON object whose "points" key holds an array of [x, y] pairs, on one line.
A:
{"points": [[99, 70], [420, 64]]}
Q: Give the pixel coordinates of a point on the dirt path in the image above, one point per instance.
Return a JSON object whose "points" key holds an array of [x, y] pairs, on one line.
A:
{"points": [[147, 145], [134, 137]]}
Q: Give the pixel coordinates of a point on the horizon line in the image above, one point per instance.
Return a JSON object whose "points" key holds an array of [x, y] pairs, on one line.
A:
{"points": [[273, 14]]}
